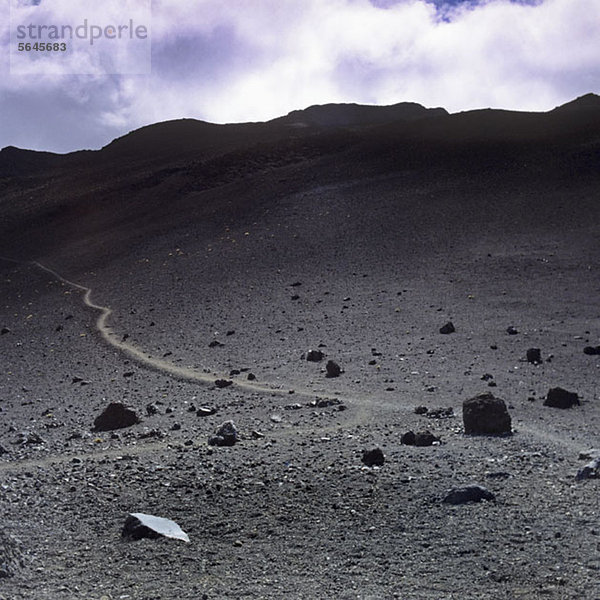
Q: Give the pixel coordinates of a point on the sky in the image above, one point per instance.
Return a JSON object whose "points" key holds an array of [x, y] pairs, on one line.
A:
{"points": [[253, 60]]}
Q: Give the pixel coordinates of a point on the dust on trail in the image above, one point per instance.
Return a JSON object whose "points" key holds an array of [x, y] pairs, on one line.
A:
{"points": [[360, 416], [147, 360], [362, 412]]}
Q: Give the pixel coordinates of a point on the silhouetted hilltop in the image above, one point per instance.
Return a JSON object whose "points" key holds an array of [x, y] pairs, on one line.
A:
{"points": [[351, 115], [588, 102]]}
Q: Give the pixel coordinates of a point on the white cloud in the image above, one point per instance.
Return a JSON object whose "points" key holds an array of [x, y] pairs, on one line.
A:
{"points": [[240, 60]]}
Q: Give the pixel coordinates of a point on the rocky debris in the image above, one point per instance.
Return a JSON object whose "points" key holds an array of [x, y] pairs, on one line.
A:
{"points": [[3, 450], [151, 409], [559, 398], [590, 470], [29, 438], [223, 383], [421, 438], [512, 330], [589, 454], [140, 525], [115, 416], [447, 328], [333, 369], [469, 493], [592, 350], [486, 415], [225, 435], [534, 356], [315, 356], [373, 457], [11, 556], [206, 411], [157, 434], [215, 344], [325, 402], [421, 410], [4, 331], [440, 413]]}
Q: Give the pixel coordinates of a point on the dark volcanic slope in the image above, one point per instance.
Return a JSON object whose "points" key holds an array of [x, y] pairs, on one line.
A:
{"points": [[354, 234]]}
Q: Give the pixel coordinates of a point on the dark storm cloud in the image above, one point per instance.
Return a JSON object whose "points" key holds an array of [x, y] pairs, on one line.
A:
{"points": [[239, 60]]}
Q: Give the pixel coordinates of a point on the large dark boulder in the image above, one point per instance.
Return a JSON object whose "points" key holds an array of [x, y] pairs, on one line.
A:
{"points": [[333, 369], [315, 356], [486, 415], [115, 416], [559, 398], [373, 457], [469, 493]]}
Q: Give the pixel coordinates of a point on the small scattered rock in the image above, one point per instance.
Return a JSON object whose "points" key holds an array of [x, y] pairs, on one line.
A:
{"points": [[373, 457], [333, 369], [215, 344], [592, 350], [559, 398], [589, 471], [251, 377], [151, 409], [4, 331], [441, 413], [325, 402], [534, 356], [226, 435], [223, 383], [315, 356], [421, 410], [486, 415], [234, 372], [206, 411], [140, 525], [512, 330], [115, 416], [421, 439], [447, 328], [469, 493], [29, 438]]}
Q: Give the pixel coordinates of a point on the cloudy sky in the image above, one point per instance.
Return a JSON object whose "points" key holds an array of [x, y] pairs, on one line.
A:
{"points": [[251, 60]]}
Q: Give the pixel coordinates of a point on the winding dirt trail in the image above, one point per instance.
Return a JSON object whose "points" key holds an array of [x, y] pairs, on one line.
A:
{"points": [[362, 411]]}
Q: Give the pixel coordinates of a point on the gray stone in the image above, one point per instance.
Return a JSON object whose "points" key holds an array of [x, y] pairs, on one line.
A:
{"points": [[486, 415], [226, 435], [140, 525], [589, 471]]}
